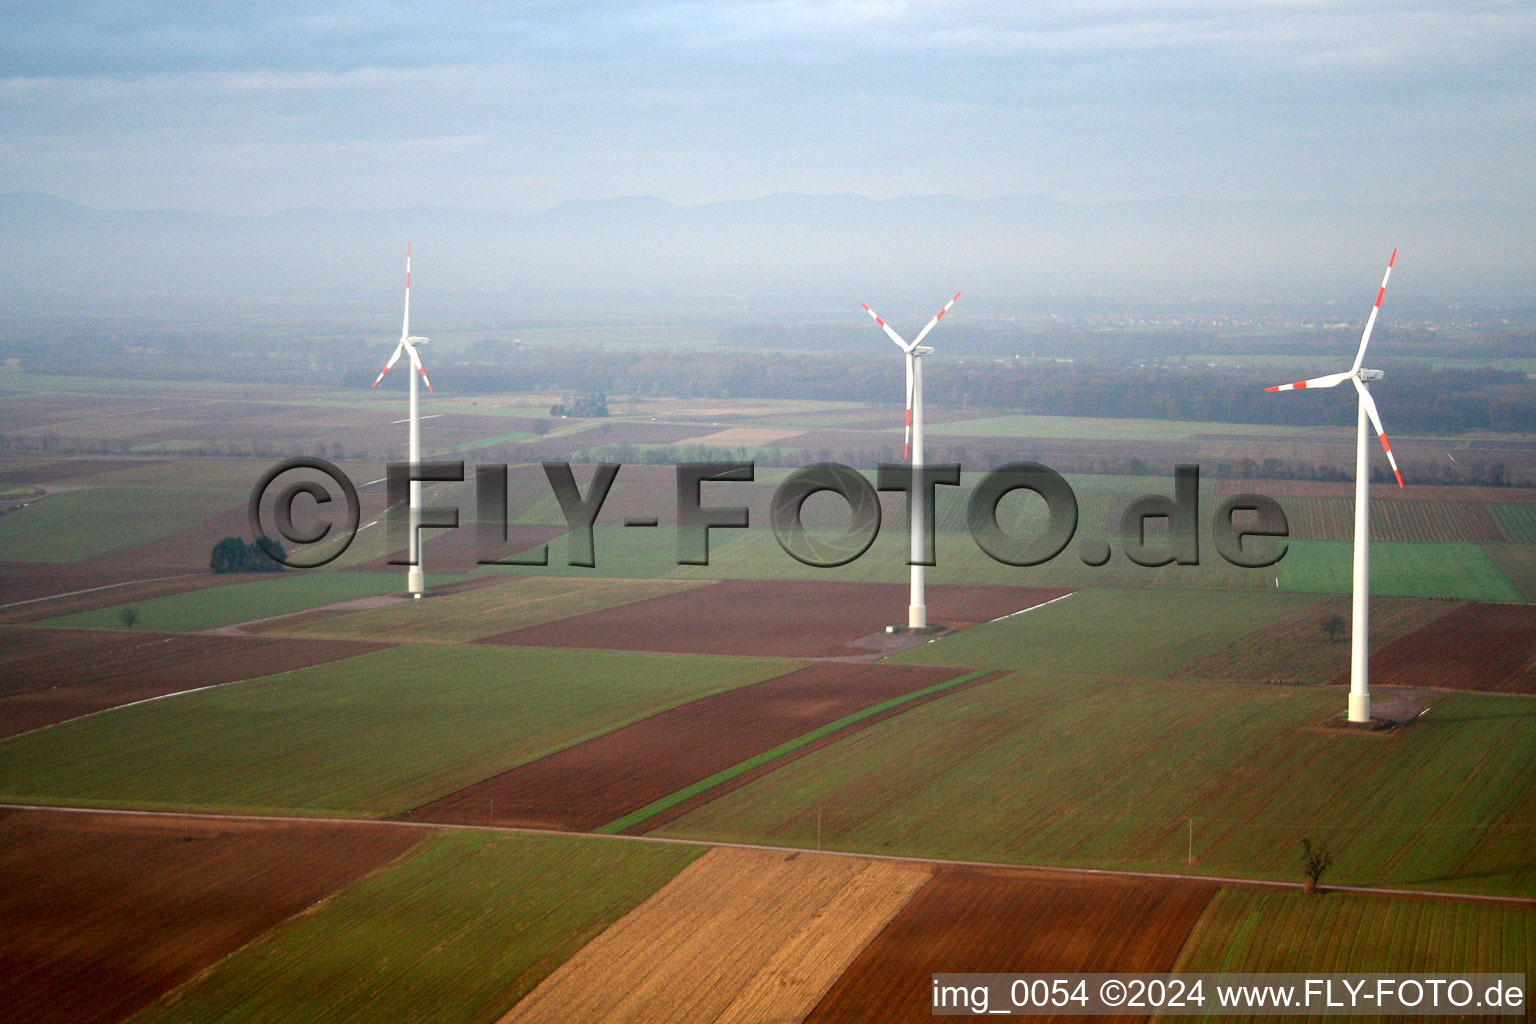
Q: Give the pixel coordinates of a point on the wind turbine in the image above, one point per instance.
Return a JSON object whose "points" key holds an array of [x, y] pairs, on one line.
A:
{"points": [[414, 576], [1359, 638], [917, 609]]}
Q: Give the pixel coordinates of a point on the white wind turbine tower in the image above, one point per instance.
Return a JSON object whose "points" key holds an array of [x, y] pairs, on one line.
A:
{"points": [[1359, 637], [414, 576], [917, 610]]}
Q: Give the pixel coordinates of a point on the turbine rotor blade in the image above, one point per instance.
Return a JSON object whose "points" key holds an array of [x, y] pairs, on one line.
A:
{"points": [[934, 322], [416, 362], [887, 329], [1331, 380], [405, 324], [1381, 432], [392, 361], [1370, 322]]}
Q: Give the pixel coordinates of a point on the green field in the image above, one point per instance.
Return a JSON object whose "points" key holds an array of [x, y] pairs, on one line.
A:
{"points": [[458, 930], [1072, 770], [72, 526], [1516, 522], [1258, 932], [245, 599], [1462, 571], [1110, 632], [372, 735]]}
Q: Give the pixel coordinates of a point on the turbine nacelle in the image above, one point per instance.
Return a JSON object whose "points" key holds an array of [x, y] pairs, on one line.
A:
{"points": [[1369, 374], [923, 350]]}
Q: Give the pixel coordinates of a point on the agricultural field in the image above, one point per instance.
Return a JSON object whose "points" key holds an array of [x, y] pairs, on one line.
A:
{"points": [[604, 779], [1265, 931], [497, 607], [740, 936], [1460, 571], [969, 919], [1238, 772], [73, 526], [458, 930], [1173, 720], [50, 676], [372, 735], [101, 914], [1110, 632], [777, 619], [1091, 427], [254, 597], [1489, 647], [1299, 647]]}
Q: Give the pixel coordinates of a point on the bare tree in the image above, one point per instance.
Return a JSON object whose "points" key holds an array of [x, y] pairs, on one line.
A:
{"points": [[128, 616], [1334, 625], [1314, 861]]}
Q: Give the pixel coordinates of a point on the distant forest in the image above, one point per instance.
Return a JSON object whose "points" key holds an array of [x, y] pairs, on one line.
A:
{"points": [[1070, 372]]}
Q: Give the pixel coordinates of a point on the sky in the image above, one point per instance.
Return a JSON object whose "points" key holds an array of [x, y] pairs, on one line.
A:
{"points": [[255, 108]]}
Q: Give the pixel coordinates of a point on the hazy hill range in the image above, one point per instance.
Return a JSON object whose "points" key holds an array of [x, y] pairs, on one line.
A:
{"points": [[791, 251]]}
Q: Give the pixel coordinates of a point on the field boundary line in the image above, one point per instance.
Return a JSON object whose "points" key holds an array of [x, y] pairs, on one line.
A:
{"points": [[1049, 869], [1031, 608]]}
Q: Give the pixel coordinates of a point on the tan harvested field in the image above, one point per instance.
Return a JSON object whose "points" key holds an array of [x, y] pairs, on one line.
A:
{"points": [[1476, 646], [497, 606], [101, 914], [979, 920], [593, 783], [772, 618], [50, 675], [739, 937], [1297, 649]]}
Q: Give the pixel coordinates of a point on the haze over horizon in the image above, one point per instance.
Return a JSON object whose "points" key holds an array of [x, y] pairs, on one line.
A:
{"points": [[805, 150]]}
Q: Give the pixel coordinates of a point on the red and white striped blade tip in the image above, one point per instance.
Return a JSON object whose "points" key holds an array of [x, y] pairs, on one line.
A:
{"points": [[1326, 381]]}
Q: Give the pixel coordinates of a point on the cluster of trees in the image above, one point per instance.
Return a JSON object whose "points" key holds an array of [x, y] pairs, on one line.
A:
{"points": [[235, 555], [589, 406]]}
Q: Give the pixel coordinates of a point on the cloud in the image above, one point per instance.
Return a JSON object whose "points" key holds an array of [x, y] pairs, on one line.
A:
{"points": [[264, 106]]}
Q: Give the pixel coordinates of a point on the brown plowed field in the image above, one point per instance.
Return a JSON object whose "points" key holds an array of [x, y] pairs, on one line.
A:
{"points": [[101, 914], [771, 618], [1476, 646], [595, 782], [974, 920], [739, 937], [63, 674]]}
